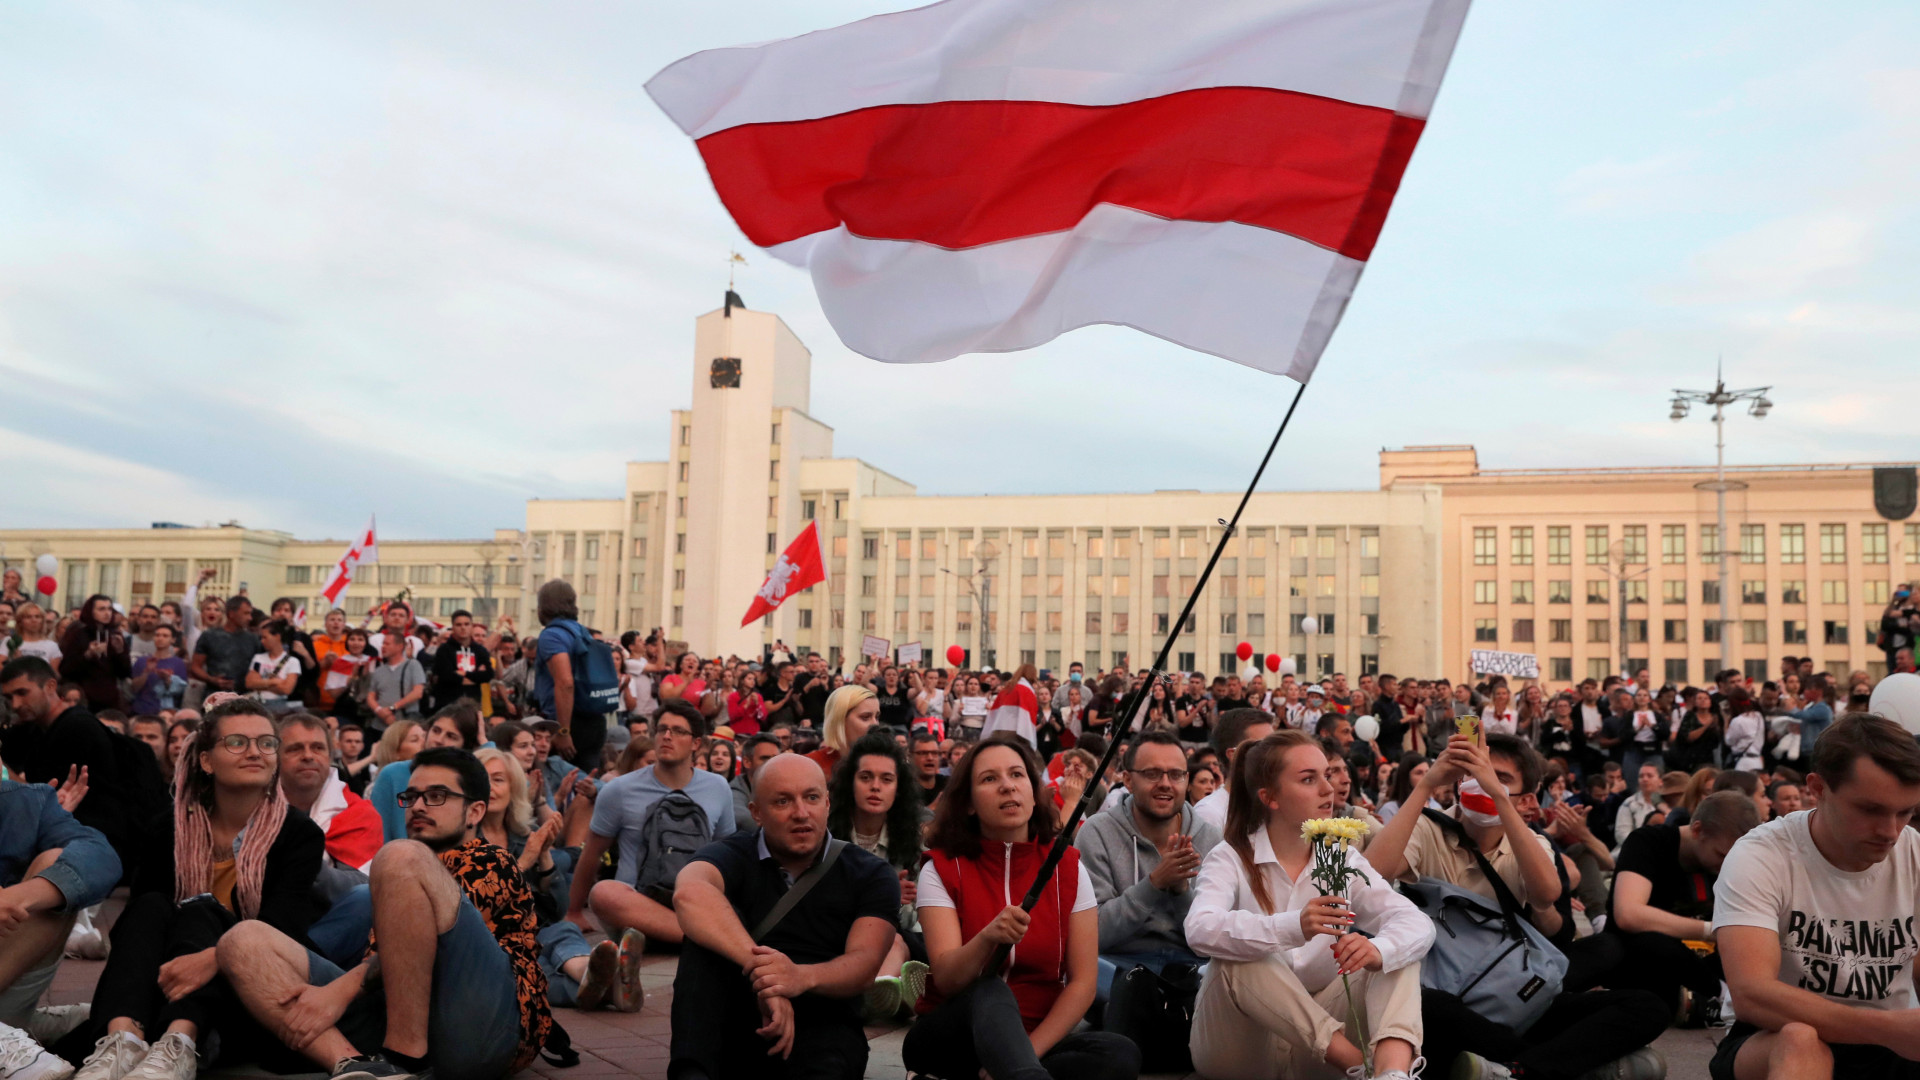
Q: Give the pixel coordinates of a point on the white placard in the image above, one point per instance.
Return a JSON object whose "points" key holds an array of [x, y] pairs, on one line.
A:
{"points": [[1514, 665], [910, 653], [875, 646]]}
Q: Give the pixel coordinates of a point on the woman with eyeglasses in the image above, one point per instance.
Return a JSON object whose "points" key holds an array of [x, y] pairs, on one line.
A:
{"points": [[239, 852]]}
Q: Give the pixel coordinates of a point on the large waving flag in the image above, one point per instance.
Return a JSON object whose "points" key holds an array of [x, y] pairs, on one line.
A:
{"points": [[984, 175], [799, 567]]}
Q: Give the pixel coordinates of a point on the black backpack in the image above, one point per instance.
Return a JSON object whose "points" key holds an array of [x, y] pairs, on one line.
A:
{"points": [[673, 829], [1156, 1012]]}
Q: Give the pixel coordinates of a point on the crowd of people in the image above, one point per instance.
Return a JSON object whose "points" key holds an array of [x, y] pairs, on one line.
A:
{"points": [[405, 848]]}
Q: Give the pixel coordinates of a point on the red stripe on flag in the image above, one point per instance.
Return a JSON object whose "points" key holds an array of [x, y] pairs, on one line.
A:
{"points": [[959, 174]]}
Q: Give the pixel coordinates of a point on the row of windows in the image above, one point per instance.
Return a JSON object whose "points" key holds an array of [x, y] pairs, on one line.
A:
{"points": [[1229, 587], [1095, 623], [1599, 591], [1631, 548], [1097, 544], [400, 574], [1673, 631], [1560, 669]]}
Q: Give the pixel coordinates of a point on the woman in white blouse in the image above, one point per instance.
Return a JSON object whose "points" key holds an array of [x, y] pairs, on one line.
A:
{"points": [[1500, 717], [1273, 1004]]}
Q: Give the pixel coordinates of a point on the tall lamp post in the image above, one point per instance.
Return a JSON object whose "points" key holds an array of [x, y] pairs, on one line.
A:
{"points": [[983, 554], [1720, 397]]}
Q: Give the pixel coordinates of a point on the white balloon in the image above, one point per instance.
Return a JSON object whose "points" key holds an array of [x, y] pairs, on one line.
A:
{"points": [[1366, 728], [1898, 699], [1249, 671], [1287, 666], [47, 565], [1309, 625]]}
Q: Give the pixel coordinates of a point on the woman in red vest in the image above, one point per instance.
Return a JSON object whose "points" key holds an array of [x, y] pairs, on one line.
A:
{"points": [[990, 834]]}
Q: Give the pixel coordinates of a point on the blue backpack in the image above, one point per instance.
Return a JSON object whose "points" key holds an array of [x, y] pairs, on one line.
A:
{"points": [[596, 682]]}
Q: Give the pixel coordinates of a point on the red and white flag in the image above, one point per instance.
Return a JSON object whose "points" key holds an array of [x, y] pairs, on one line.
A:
{"points": [[1014, 710], [985, 175], [366, 549], [798, 567]]}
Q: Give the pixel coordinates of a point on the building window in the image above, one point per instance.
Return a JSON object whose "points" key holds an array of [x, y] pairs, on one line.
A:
{"points": [[1483, 592], [1633, 540], [1054, 619], [1833, 543], [808, 508], [1871, 592], [296, 575], [1635, 590], [806, 618], [1560, 668], [1753, 592], [1599, 631], [1484, 551], [1710, 591], [903, 547], [679, 613], [1324, 543], [1833, 591], [1229, 623], [839, 546], [1596, 545], [870, 547], [1836, 631], [1369, 584], [1370, 624], [1709, 543], [869, 586], [1753, 631], [1486, 630], [1560, 630], [1256, 586], [1093, 623], [1560, 592], [1523, 592], [1369, 545], [1520, 545], [1793, 543], [1710, 633], [1597, 668], [1673, 544], [1030, 546], [1636, 631], [679, 579], [1323, 585], [1793, 592], [1523, 630], [1913, 542], [1597, 591], [1793, 632], [1029, 621], [1873, 543], [926, 622], [773, 539], [929, 546], [867, 619], [1753, 543], [1674, 631], [1559, 545], [1676, 670]]}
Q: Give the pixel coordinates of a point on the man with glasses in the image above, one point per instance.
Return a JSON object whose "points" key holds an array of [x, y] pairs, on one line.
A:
{"points": [[1142, 854], [459, 988], [621, 812], [926, 766]]}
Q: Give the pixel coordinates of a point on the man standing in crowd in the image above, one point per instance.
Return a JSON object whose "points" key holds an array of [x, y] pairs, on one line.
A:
{"points": [[459, 990], [578, 737], [461, 666], [770, 992], [669, 796], [1142, 854], [1663, 898], [223, 653], [1813, 914], [815, 684], [397, 683], [1579, 1031], [1235, 726]]}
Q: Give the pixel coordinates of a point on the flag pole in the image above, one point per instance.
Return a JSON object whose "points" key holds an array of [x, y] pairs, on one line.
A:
{"points": [[1134, 699]]}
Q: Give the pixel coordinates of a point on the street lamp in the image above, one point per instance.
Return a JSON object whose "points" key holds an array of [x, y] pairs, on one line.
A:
{"points": [[1720, 397], [986, 551]]}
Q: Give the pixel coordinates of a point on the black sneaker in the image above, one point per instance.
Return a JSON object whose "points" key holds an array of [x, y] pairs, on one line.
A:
{"points": [[374, 1067]]}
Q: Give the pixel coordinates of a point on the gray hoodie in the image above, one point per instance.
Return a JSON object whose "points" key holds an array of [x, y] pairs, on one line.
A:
{"points": [[1135, 916]]}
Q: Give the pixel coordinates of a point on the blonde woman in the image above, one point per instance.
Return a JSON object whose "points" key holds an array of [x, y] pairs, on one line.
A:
{"points": [[33, 638], [509, 820], [851, 712]]}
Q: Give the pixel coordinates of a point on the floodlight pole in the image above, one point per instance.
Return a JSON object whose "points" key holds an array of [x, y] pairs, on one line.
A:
{"points": [[1720, 397]]}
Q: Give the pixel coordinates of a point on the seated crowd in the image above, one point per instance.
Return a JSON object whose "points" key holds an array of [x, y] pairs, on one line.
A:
{"points": [[403, 853]]}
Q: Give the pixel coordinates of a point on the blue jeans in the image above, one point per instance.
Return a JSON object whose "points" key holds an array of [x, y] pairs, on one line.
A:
{"points": [[1112, 964], [1636, 757], [560, 943], [341, 934], [473, 1019]]}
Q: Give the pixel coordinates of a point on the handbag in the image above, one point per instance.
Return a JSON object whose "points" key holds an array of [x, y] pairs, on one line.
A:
{"points": [[1485, 952], [1156, 1012]]}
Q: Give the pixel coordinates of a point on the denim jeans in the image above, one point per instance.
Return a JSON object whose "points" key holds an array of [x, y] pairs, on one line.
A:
{"points": [[1636, 757], [31, 821], [979, 1028], [560, 943], [341, 934]]}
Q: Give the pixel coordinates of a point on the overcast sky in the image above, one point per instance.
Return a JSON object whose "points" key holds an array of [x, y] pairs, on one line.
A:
{"points": [[289, 263]]}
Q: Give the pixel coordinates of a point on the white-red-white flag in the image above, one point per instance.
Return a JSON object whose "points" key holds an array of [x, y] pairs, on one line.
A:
{"points": [[985, 175], [364, 550], [798, 567]]}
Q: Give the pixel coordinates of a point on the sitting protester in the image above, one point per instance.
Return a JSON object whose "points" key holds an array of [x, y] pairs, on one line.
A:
{"points": [[1813, 914], [1234, 726], [1340, 775], [784, 930], [459, 987], [1142, 855], [1274, 1002], [457, 725], [758, 750], [353, 831], [1641, 808], [239, 851], [1579, 1031], [991, 831], [1663, 898], [876, 807], [51, 867]]}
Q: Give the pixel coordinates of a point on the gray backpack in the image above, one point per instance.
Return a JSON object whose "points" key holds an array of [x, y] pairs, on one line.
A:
{"points": [[673, 829], [1486, 954]]}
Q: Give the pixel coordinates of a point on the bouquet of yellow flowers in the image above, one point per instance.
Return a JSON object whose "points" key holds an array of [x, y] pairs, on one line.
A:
{"points": [[1331, 838]]}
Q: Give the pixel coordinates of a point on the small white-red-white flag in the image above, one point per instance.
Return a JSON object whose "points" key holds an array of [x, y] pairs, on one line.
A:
{"points": [[364, 550], [985, 175]]}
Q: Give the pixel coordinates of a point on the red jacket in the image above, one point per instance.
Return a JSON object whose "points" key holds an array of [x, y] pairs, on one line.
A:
{"points": [[1001, 876]]}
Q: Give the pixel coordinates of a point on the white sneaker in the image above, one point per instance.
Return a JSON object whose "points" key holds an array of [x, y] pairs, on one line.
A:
{"points": [[1471, 1066], [172, 1058], [113, 1057], [1411, 1072], [85, 941], [51, 1023], [23, 1059]]}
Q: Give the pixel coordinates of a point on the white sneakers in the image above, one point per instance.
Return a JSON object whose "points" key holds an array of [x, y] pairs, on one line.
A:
{"points": [[23, 1059], [51, 1023], [172, 1058], [87, 941], [113, 1057], [1359, 1072]]}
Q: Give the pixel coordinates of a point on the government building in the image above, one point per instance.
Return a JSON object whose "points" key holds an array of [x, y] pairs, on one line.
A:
{"points": [[1586, 569]]}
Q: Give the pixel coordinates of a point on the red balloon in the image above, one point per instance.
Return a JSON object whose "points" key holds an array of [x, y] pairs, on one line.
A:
{"points": [[956, 655], [1273, 661], [47, 585], [1244, 651]]}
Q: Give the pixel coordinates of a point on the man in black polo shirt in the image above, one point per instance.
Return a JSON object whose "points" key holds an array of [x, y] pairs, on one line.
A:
{"points": [[49, 741], [795, 1011]]}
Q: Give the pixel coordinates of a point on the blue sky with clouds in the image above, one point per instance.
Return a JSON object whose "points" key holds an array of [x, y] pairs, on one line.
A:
{"points": [[287, 263]]}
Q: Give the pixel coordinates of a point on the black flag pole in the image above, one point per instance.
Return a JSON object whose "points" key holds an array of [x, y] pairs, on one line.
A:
{"points": [[1131, 705]]}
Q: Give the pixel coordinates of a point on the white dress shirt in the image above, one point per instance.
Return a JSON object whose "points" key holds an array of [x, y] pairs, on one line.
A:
{"points": [[1226, 922]]}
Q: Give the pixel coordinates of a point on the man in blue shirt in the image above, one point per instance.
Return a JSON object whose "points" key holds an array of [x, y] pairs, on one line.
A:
{"points": [[579, 739], [620, 813]]}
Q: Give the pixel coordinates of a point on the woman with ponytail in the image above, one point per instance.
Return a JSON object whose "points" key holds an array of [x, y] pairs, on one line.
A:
{"points": [[1274, 1002], [239, 852]]}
